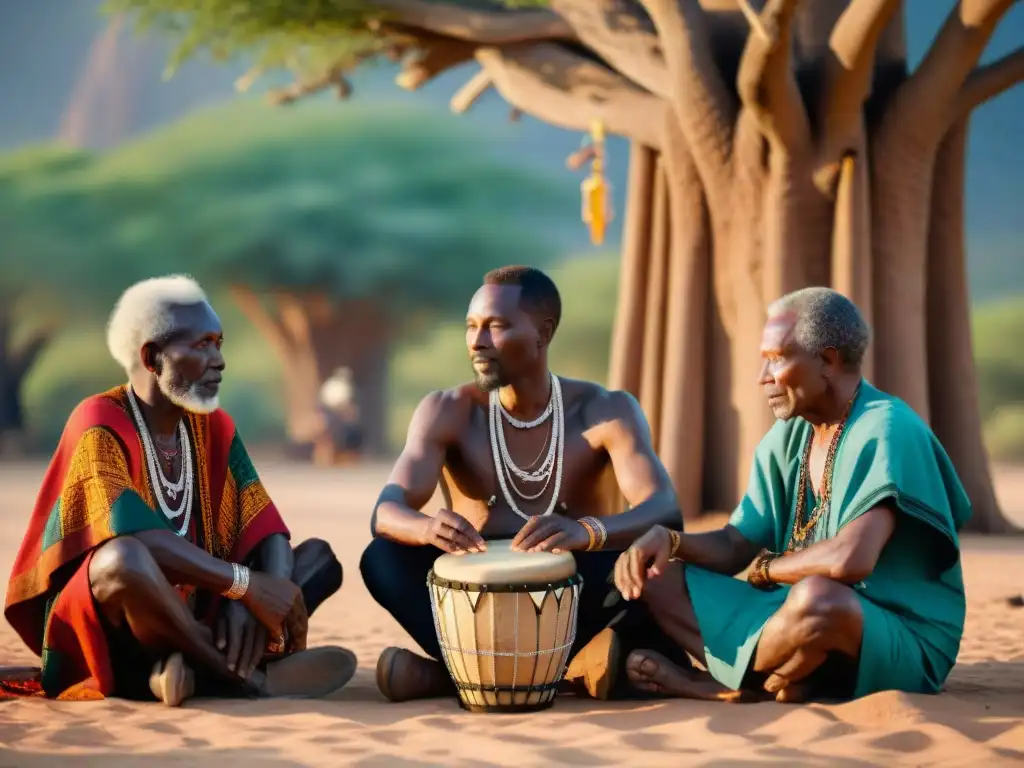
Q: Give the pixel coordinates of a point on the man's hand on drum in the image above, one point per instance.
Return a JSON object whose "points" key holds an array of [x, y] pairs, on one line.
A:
{"points": [[452, 533], [645, 559], [551, 533]]}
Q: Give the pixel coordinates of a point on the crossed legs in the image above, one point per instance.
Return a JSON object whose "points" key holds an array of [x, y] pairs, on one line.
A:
{"points": [[149, 620], [819, 620], [396, 575]]}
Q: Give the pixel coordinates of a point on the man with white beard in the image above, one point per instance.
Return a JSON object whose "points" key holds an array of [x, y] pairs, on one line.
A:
{"points": [[155, 563]]}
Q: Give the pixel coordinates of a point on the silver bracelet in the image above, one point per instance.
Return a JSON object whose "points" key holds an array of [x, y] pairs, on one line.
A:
{"points": [[239, 582]]}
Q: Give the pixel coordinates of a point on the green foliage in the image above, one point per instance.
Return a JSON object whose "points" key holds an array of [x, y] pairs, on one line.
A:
{"points": [[1000, 369], [353, 203], [999, 363], [302, 36], [1004, 434]]}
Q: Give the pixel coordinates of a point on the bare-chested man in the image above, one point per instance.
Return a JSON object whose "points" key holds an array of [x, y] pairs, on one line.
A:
{"points": [[155, 563], [509, 327]]}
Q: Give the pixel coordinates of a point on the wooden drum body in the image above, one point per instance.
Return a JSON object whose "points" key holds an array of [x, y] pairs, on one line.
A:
{"points": [[505, 622]]}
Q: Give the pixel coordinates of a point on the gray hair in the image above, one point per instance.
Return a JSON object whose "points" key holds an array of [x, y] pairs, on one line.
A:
{"points": [[144, 313], [826, 319]]}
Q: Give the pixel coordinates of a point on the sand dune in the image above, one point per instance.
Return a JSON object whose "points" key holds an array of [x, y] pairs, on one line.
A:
{"points": [[978, 721]]}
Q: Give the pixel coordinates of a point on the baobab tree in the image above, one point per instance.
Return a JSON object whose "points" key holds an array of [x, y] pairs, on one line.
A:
{"points": [[773, 147]]}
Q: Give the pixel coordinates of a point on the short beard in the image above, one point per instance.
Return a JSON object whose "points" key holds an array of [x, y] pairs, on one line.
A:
{"points": [[488, 382], [188, 398]]}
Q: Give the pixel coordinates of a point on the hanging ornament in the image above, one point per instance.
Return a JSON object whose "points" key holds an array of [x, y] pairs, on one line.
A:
{"points": [[596, 190]]}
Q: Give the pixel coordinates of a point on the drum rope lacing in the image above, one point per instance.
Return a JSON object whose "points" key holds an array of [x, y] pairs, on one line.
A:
{"points": [[156, 473], [550, 467]]}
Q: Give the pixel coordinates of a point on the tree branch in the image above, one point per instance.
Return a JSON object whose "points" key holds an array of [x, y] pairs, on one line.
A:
{"points": [[262, 320], [483, 27], [470, 92], [704, 105], [849, 70], [925, 104], [333, 77], [562, 88], [622, 35], [767, 83], [989, 81], [432, 57]]}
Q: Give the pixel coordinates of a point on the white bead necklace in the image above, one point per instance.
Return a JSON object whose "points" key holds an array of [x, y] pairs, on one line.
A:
{"points": [[550, 467], [158, 481]]}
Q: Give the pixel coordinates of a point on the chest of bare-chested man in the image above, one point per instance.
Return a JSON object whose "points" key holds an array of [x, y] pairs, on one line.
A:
{"points": [[476, 494]]}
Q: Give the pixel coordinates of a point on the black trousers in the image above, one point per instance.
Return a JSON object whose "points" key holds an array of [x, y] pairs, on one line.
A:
{"points": [[396, 576]]}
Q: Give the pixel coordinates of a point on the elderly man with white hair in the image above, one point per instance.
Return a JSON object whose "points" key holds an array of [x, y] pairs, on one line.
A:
{"points": [[848, 528], [155, 563]]}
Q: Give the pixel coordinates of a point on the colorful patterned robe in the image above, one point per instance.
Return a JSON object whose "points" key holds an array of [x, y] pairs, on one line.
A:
{"points": [[97, 487]]}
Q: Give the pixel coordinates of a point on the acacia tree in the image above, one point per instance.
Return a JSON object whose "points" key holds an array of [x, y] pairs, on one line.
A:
{"points": [[773, 148], [336, 235], [24, 334]]}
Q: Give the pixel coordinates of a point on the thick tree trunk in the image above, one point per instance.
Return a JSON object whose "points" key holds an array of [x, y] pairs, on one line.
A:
{"points": [[688, 287], [314, 336], [628, 332], [15, 363], [805, 185], [654, 351], [953, 383], [900, 199], [851, 241]]}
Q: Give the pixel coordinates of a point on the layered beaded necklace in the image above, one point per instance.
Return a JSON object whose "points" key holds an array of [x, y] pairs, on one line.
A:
{"points": [[158, 480], [803, 525], [550, 467]]}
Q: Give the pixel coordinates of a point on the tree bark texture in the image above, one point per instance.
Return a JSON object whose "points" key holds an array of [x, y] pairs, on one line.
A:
{"points": [[785, 183], [775, 145], [312, 336]]}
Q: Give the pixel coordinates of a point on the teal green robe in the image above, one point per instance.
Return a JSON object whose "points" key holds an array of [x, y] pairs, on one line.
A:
{"points": [[913, 602]]}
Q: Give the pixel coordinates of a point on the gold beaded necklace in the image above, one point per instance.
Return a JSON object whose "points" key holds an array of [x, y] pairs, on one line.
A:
{"points": [[801, 529]]}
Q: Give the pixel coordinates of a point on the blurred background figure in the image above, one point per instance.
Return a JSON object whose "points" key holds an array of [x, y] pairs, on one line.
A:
{"points": [[343, 436]]}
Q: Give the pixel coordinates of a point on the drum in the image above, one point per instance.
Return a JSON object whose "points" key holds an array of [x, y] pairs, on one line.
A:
{"points": [[505, 622]]}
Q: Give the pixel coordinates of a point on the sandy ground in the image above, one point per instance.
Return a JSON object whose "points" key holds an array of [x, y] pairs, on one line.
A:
{"points": [[979, 720]]}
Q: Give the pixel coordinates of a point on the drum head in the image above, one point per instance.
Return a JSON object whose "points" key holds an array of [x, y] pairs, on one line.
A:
{"points": [[500, 565]]}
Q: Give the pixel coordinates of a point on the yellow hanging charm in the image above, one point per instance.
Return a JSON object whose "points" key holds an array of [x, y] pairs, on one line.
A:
{"points": [[596, 189]]}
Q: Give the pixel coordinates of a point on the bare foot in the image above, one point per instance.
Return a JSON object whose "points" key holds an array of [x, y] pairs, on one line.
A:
{"points": [[172, 681], [597, 664], [307, 674], [652, 672], [403, 675], [794, 693], [787, 692]]}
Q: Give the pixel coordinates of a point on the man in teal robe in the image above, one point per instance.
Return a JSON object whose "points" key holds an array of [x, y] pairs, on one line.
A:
{"points": [[858, 586]]}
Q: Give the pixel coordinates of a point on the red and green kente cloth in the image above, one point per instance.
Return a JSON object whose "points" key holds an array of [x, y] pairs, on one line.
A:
{"points": [[97, 487]]}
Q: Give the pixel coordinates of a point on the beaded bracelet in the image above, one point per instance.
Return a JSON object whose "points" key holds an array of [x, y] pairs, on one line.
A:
{"points": [[675, 539], [759, 576], [597, 532]]}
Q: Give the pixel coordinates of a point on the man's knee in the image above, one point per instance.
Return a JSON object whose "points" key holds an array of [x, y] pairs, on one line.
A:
{"points": [[121, 566], [823, 611], [375, 566], [668, 589], [315, 556], [389, 570]]}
